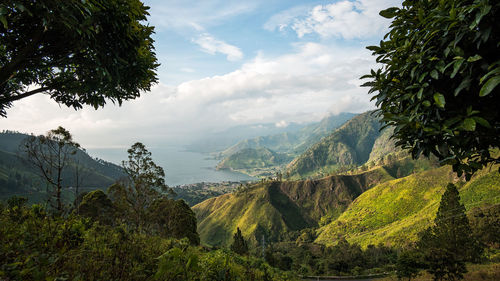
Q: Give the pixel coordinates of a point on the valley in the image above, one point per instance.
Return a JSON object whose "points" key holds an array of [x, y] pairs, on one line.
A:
{"points": [[351, 190], [278, 140]]}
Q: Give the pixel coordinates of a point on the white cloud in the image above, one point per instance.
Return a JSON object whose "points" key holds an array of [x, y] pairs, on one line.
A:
{"points": [[344, 19], [281, 124], [282, 19], [211, 45], [297, 87]]}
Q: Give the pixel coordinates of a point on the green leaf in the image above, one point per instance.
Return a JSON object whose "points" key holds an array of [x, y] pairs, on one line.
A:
{"points": [[456, 67], [484, 10], [439, 99], [389, 13], [465, 84], [495, 71], [469, 124], [483, 122], [452, 121], [474, 58], [434, 74], [4, 21], [419, 94], [426, 103], [489, 86], [20, 7], [422, 76], [447, 51], [373, 48]]}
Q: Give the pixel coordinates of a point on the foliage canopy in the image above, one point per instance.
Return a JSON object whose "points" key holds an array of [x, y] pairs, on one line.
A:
{"points": [[438, 81], [449, 243], [239, 245], [145, 183], [78, 52]]}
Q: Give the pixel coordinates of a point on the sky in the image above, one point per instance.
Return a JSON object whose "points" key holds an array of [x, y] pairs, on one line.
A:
{"points": [[226, 63]]}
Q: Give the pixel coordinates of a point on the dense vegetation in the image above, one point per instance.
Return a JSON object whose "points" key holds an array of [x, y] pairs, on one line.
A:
{"points": [[349, 145], [77, 52], [351, 224], [395, 211], [37, 245], [19, 177], [198, 192], [131, 232], [376, 212], [273, 208], [438, 81]]}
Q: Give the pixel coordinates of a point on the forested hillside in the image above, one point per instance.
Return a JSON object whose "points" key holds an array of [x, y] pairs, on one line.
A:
{"points": [[273, 208], [394, 212], [348, 146], [368, 208], [287, 144], [249, 158], [19, 177]]}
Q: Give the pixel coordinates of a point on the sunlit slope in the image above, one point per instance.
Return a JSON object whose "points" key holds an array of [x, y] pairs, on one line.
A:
{"points": [[351, 144], [273, 208], [394, 212], [251, 210]]}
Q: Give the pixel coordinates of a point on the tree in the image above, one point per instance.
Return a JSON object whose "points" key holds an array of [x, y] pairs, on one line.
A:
{"points": [[77, 52], [51, 154], [409, 264], [144, 184], [449, 243], [239, 245], [438, 84], [97, 206], [173, 218]]}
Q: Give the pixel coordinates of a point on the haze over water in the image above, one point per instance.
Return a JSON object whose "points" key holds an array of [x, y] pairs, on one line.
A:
{"points": [[181, 166]]}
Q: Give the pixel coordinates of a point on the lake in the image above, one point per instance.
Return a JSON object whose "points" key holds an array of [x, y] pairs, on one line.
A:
{"points": [[181, 166]]}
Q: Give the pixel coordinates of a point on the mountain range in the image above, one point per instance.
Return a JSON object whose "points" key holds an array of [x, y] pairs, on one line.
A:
{"points": [[353, 183], [370, 207]]}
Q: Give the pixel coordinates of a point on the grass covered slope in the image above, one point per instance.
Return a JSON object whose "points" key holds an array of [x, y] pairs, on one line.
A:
{"points": [[253, 158], [394, 212], [274, 208], [250, 210], [351, 144]]}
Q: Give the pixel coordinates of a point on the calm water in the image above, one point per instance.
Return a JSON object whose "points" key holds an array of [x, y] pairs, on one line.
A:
{"points": [[181, 166]]}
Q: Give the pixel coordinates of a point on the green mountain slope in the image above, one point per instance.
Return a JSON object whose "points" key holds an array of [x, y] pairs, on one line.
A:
{"points": [[18, 177], [385, 146], [292, 142], [253, 158], [394, 212], [349, 145], [368, 208], [274, 208]]}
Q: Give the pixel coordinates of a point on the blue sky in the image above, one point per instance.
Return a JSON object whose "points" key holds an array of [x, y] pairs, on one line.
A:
{"points": [[227, 63]]}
